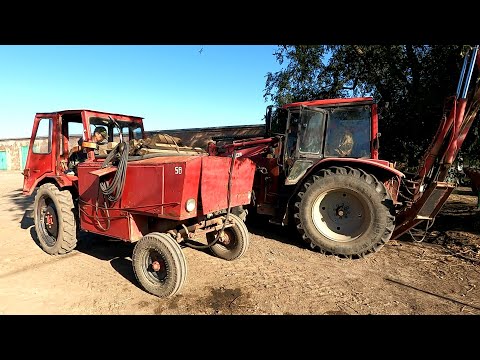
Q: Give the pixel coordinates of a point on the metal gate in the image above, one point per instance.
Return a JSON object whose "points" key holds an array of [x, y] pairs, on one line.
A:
{"points": [[23, 157], [3, 160]]}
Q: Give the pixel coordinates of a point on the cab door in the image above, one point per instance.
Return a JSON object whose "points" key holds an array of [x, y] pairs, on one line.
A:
{"points": [[310, 129], [42, 152], [311, 132]]}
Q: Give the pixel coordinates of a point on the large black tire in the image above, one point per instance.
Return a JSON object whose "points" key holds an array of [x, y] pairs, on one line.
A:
{"points": [[55, 222], [235, 242], [345, 212], [164, 250]]}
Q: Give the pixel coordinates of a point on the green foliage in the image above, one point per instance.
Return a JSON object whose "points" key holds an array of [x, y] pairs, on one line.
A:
{"points": [[412, 85]]}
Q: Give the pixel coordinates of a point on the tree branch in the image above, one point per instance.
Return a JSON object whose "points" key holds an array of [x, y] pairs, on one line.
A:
{"points": [[355, 83]]}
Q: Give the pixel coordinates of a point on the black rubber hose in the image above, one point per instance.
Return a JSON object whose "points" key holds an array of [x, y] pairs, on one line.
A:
{"points": [[113, 190]]}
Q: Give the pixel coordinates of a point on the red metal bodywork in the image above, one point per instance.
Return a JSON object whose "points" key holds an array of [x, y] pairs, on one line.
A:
{"points": [[40, 166], [214, 182], [156, 189], [159, 188], [374, 135]]}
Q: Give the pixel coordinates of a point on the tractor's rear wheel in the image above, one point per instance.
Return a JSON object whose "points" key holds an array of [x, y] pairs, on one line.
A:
{"points": [[234, 242], [344, 211], [55, 221], [159, 264]]}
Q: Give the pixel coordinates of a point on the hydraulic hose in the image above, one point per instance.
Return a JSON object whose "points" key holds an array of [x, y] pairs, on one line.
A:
{"points": [[113, 190]]}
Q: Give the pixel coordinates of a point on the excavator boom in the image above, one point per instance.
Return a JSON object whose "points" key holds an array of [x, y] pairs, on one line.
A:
{"points": [[427, 190]]}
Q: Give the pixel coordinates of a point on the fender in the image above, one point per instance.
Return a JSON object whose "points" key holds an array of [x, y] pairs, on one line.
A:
{"points": [[61, 181], [306, 167], [374, 166]]}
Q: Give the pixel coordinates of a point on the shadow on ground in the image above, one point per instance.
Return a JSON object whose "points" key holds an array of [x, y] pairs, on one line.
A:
{"points": [[20, 201], [260, 225], [117, 252]]}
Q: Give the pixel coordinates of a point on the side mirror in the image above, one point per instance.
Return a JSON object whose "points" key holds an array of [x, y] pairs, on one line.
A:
{"points": [[268, 121]]}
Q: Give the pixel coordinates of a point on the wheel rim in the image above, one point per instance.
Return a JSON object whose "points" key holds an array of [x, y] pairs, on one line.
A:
{"points": [[341, 215], [155, 266], [49, 225], [228, 240]]}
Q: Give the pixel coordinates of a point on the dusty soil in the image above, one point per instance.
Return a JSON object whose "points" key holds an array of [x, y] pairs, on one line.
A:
{"points": [[277, 275]]}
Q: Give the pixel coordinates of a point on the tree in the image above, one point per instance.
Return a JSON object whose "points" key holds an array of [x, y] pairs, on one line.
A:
{"points": [[411, 84]]}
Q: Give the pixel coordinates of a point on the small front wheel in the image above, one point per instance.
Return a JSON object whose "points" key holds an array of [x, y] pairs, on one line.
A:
{"points": [[159, 264], [234, 242]]}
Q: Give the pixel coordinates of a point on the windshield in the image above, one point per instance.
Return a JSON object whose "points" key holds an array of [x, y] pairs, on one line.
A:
{"points": [[348, 132], [113, 131]]}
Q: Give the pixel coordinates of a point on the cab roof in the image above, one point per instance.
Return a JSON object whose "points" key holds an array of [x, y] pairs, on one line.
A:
{"points": [[96, 112], [331, 102]]}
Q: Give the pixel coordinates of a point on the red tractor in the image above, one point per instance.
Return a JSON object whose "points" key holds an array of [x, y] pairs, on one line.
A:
{"points": [[161, 199], [318, 169]]}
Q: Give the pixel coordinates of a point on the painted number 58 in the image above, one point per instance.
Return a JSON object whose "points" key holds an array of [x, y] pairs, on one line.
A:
{"points": [[178, 170]]}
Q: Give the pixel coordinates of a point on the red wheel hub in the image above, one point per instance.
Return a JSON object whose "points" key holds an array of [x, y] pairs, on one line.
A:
{"points": [[156, 266]]}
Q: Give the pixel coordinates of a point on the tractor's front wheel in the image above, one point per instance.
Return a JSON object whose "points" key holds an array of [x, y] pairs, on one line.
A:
{"points": [[345, 212], [234, 241], [159, 264], [55, 222]]}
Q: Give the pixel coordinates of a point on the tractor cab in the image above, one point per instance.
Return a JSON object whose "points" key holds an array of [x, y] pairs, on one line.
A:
{"points": [[334, 128], [54, 135]]}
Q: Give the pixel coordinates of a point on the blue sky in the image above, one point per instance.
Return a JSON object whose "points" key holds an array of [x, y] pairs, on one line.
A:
{"points": [[172, 87]]}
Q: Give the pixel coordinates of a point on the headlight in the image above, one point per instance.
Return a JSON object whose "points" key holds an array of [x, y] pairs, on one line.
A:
{"points": [[249, 196], [190, 205]]}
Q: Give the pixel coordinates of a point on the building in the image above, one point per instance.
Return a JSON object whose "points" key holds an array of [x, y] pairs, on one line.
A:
{"points": [[13, 152]]}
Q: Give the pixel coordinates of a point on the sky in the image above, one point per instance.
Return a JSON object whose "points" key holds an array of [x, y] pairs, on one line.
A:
{"points": [[170, 86]]}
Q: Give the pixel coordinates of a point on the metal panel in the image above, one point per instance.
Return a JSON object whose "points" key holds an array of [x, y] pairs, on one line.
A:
{"points": [[155, 187], [214, 183], [434, 201]]}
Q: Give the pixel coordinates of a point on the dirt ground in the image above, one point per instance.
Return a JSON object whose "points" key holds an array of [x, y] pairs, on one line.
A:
{"points": [[277, 275]]}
